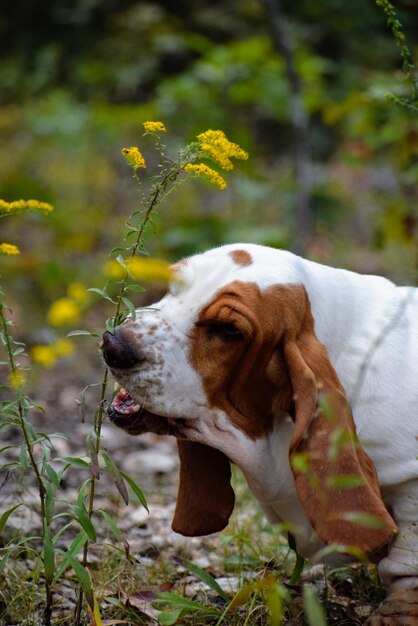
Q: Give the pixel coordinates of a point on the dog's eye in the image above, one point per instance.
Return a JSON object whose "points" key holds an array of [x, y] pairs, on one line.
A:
{"points": [[225, 331]]}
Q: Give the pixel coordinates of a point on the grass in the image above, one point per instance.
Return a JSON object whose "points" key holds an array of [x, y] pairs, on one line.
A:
{"points": [[127, 587]]}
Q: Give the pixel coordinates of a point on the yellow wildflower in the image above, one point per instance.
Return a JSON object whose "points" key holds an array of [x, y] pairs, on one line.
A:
{"points": [[47, 356], [200, 169], [63, 347], [9, 249], [217, 146], [21, 206], [17, 379], [133, 157], [63, 311], [144, 268], [78, 292], [114, 270], [44, 355], [217, 155], [154, 127]]}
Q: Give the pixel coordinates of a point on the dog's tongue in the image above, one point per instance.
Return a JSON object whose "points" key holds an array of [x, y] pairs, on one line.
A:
{"points": [[124, 404], [125, 413]]}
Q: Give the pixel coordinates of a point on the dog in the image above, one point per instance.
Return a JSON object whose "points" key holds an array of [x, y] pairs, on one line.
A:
{"points": [[305, 377]]}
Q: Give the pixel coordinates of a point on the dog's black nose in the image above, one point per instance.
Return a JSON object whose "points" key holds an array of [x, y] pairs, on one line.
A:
{"points": [[117, 353]]}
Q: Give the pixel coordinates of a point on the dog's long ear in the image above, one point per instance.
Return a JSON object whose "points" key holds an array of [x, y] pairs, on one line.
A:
{"points": [[205, 498], [335, 479]]}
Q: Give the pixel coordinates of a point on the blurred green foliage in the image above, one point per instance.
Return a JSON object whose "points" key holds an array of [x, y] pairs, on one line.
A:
{"points": [[77, 78]]}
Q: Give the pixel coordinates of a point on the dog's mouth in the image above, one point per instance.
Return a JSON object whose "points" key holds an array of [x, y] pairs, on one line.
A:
{"points": [[126, 413]]}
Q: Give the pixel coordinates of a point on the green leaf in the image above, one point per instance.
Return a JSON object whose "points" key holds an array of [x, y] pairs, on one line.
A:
{"points": [[327, 409], [137, 491], [203, 575], [134, 287], [23, 456], [314, 612], [50, 491], [116, 475], [131, 308], [297, 570], [3, 561], [77, 333], [339, 548], [83, 576], [338, 439], [301, 462], [102, 293], [75, 547], [167, 618], [39, 568], [363, 519], [121, 260], [116, 602], [49, 556], [274, 599], [94, 460], [346, 481], [179, 602], [57, 436], [52, 475], [118, 249], [73, 460], [82, 516], [18, 351], [4, 448], [111, 524], [29, 429], [5, 516], [81, 512], [111, 325], [64, 528]]}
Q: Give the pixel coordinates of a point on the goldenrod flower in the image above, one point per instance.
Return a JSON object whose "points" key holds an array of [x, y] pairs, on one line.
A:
{"points": [[217, 155], [134, 157], [17, 379], [215, 145], [114, 270], [47, 355], [63, 347], [44, 355], [63, 311], [200, 169], [78, 292], [21, 206], [144, 268], [154, 127], [9, 249]]}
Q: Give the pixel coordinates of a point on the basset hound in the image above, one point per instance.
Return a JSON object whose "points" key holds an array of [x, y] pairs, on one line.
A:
{"points": [[305, 377]]}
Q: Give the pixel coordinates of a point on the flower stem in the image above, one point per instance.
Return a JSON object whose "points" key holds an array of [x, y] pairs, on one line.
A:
{"points": [[154, 199]]}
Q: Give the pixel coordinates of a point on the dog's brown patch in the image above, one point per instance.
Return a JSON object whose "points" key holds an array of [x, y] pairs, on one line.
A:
{"points": [[241, 257]]}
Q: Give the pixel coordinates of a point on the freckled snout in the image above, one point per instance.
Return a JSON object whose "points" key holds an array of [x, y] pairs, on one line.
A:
{"points": [[118, 353]]}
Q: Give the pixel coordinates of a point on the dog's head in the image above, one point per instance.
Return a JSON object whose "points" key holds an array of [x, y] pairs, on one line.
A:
{"points": [[230, 349]]}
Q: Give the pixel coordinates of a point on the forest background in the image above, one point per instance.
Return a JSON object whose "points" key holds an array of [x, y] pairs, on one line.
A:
{"points": [[78, 78], [317, 93]]}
